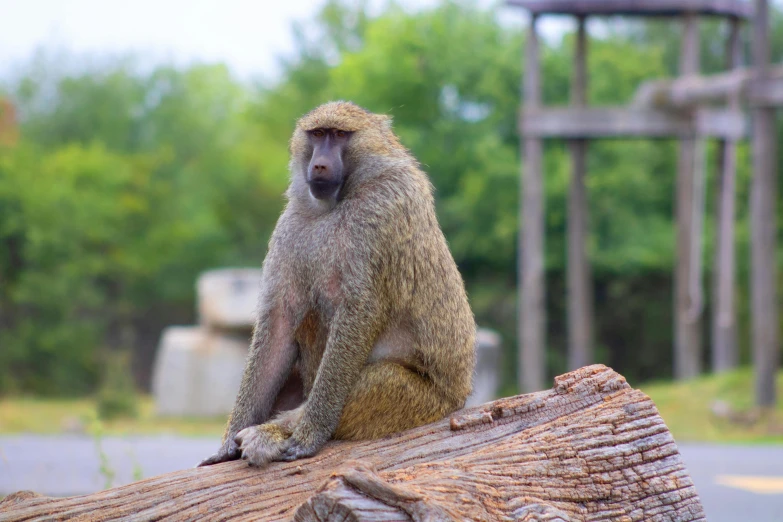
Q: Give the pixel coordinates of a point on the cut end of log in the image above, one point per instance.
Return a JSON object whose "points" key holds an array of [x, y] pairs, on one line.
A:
{"points": [[590, 448]]}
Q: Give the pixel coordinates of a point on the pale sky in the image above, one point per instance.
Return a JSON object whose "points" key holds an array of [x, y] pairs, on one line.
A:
{"points": [[247, 35]]}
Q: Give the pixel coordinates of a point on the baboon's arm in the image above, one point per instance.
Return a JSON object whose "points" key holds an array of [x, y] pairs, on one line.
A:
{"points": [[270, 359], [353, 331]]}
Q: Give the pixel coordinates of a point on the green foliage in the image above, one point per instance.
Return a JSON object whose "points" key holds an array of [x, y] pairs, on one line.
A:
{"points": [[450, 78], [104, 468], [108, 207], [117, 393], [128, 182]]}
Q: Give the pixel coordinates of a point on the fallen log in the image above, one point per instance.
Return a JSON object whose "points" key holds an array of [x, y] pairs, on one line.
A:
{"points": [[591, 448]]}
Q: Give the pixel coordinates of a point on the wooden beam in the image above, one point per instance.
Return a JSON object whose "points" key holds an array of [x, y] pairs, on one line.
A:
{"points": [[767, 91], [603, 122], [732, 8], [763, 219], [688, 300], [724, 325], [689, 91], [580, 294], [532, 304], [728, 124], [622, 122], [579, 81]]}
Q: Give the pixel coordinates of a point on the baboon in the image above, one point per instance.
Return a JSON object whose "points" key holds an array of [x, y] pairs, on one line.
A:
{"points": [[359, 292]]}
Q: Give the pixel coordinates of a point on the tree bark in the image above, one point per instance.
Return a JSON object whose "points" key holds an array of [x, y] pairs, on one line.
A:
{"points": [[592, 448]]}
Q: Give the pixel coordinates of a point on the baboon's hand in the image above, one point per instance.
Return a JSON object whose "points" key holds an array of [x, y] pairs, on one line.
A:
{"points": [[260, 445], [299, 447], [228, 451]]}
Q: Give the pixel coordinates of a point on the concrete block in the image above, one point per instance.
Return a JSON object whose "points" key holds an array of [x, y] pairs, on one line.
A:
{"points": [[197, 372], [227, 298], [486, 379]]}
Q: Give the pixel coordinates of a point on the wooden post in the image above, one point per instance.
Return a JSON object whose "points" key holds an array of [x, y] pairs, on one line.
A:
{"points": [[764, 308], [580, 331], [532, 311], [688, 305], [724, 325]]}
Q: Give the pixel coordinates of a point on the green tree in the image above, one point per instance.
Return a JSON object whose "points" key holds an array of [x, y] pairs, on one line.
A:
{"points": [[128, 182]]}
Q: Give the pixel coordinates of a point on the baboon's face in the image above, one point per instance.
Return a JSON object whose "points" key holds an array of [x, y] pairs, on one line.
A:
{"points": [[326, 171]]}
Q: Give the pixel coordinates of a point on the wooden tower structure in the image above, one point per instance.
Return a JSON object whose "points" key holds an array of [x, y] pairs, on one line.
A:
{"points": [[675, 109]]}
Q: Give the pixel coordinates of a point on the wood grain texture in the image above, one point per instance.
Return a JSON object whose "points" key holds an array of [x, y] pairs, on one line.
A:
{"points": [[591, 448]]}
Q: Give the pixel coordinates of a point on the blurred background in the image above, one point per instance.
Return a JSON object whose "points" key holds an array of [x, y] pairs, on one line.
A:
{"points": [[144, 143]]}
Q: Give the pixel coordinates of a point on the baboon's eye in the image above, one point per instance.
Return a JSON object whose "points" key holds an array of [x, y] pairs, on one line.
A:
{"points": [[318, 133], [341, 134]]}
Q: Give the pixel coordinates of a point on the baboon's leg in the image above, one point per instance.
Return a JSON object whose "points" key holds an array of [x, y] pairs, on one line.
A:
{"points": [[389, 398]]}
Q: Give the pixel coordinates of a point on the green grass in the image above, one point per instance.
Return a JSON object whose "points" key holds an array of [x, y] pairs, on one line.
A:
{"points": [[49, 416], [687, 409]]}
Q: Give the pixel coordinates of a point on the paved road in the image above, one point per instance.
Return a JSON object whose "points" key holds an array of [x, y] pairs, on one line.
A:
{"points": [[736, 483], [65, 465]]}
